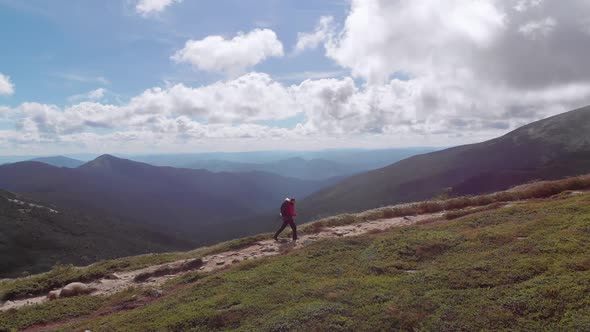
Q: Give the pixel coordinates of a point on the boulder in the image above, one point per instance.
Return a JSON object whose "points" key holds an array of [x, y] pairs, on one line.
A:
{"points": [[52, 295], [112, 276], [155, 293], [75, 289]]}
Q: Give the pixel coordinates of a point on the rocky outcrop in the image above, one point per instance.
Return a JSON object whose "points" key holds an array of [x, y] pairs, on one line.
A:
{"points": [[75, 289]]}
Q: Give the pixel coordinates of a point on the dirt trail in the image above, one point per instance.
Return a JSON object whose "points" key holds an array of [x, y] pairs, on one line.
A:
{"points": [[266, 248]]}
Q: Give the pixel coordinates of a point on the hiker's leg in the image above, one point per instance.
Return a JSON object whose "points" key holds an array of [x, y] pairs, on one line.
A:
{"points": [[293, 228], [281, 229]]}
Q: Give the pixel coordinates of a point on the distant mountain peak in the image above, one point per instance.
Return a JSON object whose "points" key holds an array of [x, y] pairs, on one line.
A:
{"points": [[105, 161], [107, 156], [110, 163]]}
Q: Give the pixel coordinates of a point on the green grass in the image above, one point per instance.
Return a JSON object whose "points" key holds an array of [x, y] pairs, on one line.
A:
{"points": [[62, 309], [455, 207], [519, 268], [62, 275]]}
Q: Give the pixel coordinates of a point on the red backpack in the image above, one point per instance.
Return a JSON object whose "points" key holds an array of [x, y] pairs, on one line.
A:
{"points": [[285, 208]]}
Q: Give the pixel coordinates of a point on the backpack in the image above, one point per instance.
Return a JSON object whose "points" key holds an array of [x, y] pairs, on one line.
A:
{"points": [[285, 208]]}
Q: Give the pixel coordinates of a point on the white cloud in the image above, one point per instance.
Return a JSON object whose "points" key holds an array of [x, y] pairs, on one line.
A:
{"points": [[252, 97], [148, 7], [421, 108], [239, 102], [83, 78], [538, 29], [6, 85], [470, 76], [93, 95], [310, 75], [323, 31], [233, 56], [381, 37], [96, 94]]}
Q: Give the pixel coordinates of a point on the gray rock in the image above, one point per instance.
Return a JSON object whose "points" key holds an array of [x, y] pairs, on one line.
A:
{"points": [[308, 242], [75, 289], [112, 276], [154, 293]]}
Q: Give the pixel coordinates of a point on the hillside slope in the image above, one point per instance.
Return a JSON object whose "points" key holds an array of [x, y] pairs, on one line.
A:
{"points": [[35, 237], [196, 201], [519, 267], [548, 149]]}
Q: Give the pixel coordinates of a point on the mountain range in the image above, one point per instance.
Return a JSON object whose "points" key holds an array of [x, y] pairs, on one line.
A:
{"points": [[552, 148], [199, 202], [300, 164], [60, 161], [207, 207], [297, 167]]}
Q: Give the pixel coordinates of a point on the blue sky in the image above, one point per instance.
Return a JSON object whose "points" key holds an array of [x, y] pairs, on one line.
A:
{"points": [[61, 48], [167, 76]]}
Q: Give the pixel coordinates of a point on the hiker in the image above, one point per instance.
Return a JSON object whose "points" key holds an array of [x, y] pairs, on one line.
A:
{"points": [[288, 212]]}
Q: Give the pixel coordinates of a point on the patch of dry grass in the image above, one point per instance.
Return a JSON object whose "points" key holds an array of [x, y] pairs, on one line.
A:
{"points": [[457, 207]]}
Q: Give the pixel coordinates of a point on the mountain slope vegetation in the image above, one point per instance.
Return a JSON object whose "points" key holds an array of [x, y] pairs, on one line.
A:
{"points": [[195, 201], [34, 237], [548, 149], [521, 267]]}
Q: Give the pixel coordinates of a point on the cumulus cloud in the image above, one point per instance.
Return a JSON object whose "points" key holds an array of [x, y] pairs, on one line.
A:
{"points": [[470, 73], [6, 85], [412, 36], [466, 65], [237, 103], [323, 30], [96, 94], [427, 106], [251, 97], [231, 56], [148, 7], [484, 37]]}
